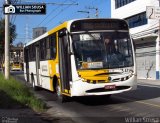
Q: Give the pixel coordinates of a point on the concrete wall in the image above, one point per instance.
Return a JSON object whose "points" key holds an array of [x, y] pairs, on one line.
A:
{"points": [[147, 56], [146, 62], [133, 8]]}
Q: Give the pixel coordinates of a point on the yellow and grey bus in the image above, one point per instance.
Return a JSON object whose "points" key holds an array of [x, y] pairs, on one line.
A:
{"points": [[16, 66], [76, 59]]}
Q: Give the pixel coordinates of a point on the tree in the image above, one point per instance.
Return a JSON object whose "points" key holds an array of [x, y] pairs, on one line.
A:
{"points": [[2, 34], [2, 38]]}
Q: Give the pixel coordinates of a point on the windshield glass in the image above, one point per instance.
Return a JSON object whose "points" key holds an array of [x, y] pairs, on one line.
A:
{"points": [[102, 50]]}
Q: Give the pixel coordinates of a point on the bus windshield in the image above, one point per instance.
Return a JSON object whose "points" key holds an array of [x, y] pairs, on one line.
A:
{"points": [[102, 50]]}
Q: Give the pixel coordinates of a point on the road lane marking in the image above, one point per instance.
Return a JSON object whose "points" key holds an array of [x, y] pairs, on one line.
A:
{"points": [[142, 102]]}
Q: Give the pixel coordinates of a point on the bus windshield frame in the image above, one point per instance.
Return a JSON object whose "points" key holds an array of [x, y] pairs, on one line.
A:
{"points": [[91, 52]]}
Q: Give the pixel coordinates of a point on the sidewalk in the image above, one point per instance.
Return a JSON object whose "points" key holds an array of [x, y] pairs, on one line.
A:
{"points": [[148, 82], [13, 111]]}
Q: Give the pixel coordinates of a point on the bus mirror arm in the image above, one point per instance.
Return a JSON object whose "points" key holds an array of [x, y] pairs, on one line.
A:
{"points": [[134, 45], [70, 52]]}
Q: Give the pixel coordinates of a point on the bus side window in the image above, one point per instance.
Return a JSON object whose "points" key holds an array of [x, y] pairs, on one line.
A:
{"points": [[48, 54], [29, 56], [33, 52], [43, 49], [53, 46]]}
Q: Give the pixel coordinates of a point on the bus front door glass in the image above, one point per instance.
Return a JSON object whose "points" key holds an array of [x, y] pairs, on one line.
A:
{"points": [[37, 64], [64, 62], [102, 50], [26, 58]]}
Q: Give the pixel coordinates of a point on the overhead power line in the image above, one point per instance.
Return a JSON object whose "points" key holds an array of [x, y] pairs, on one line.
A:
{"points": [[57, 14], [51, 3], [74, 14], [95, 8], [13, 17], [62, 3], [49, 15], [87, 12], [59, 4]]}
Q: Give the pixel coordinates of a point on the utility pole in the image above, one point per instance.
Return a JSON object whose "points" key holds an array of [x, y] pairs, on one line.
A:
{"points": [[62, 3], [7, 45], [85, 12], [158, 51]]}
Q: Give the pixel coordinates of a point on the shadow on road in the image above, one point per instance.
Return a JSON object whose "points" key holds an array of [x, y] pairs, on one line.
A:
{"points": [[142, 93], [7, 102]]}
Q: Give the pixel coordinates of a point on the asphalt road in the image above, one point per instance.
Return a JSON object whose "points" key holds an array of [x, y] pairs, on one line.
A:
{"points": [[139, 106]]}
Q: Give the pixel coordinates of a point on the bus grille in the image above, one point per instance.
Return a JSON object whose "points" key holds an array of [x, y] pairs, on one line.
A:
{"points": [[96, 81], [106, 90]]}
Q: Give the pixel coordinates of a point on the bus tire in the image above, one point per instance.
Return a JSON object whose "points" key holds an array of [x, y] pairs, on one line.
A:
{"points": [[35, 88]]}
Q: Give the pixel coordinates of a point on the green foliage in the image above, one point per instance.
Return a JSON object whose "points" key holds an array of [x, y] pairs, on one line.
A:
{"points": [[2, 32], [18, 92]]}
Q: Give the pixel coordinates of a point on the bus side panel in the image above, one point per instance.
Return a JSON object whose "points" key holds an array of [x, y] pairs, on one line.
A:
{"points": [[32, 70], [44, 74], [53, 71], [25, 74], [26, 64]]}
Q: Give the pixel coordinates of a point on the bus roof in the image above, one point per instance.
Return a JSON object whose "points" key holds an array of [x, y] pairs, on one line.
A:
{"points": [[65, 24], [47, 33]]}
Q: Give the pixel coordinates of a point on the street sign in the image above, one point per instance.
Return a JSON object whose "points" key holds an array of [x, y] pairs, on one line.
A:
{"points": [[153, 12]]}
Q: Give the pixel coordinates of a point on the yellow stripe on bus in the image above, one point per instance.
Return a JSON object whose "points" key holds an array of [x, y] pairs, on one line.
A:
{"points": [[65, 90], [66, 94], [64, 25]]}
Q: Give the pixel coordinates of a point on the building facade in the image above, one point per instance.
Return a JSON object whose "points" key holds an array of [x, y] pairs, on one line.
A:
{"points": [[144, 32], [38, 31]]}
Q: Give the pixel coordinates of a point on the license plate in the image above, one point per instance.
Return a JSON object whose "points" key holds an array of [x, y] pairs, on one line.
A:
{"points": [[110, 86]]}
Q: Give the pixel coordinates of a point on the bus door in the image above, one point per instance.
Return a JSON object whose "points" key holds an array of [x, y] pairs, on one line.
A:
{"points": [[37, 64], [27, 63], [64, 61]]}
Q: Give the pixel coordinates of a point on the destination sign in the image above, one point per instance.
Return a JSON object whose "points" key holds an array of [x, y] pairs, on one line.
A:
{"points": [[97, 24]]}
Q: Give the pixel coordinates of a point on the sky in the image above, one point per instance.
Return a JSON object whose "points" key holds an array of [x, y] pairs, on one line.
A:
{"points": [[55, 14]]}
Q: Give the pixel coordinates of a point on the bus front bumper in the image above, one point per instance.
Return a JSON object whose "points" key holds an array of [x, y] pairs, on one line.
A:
{"points": [[80, 88]]}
